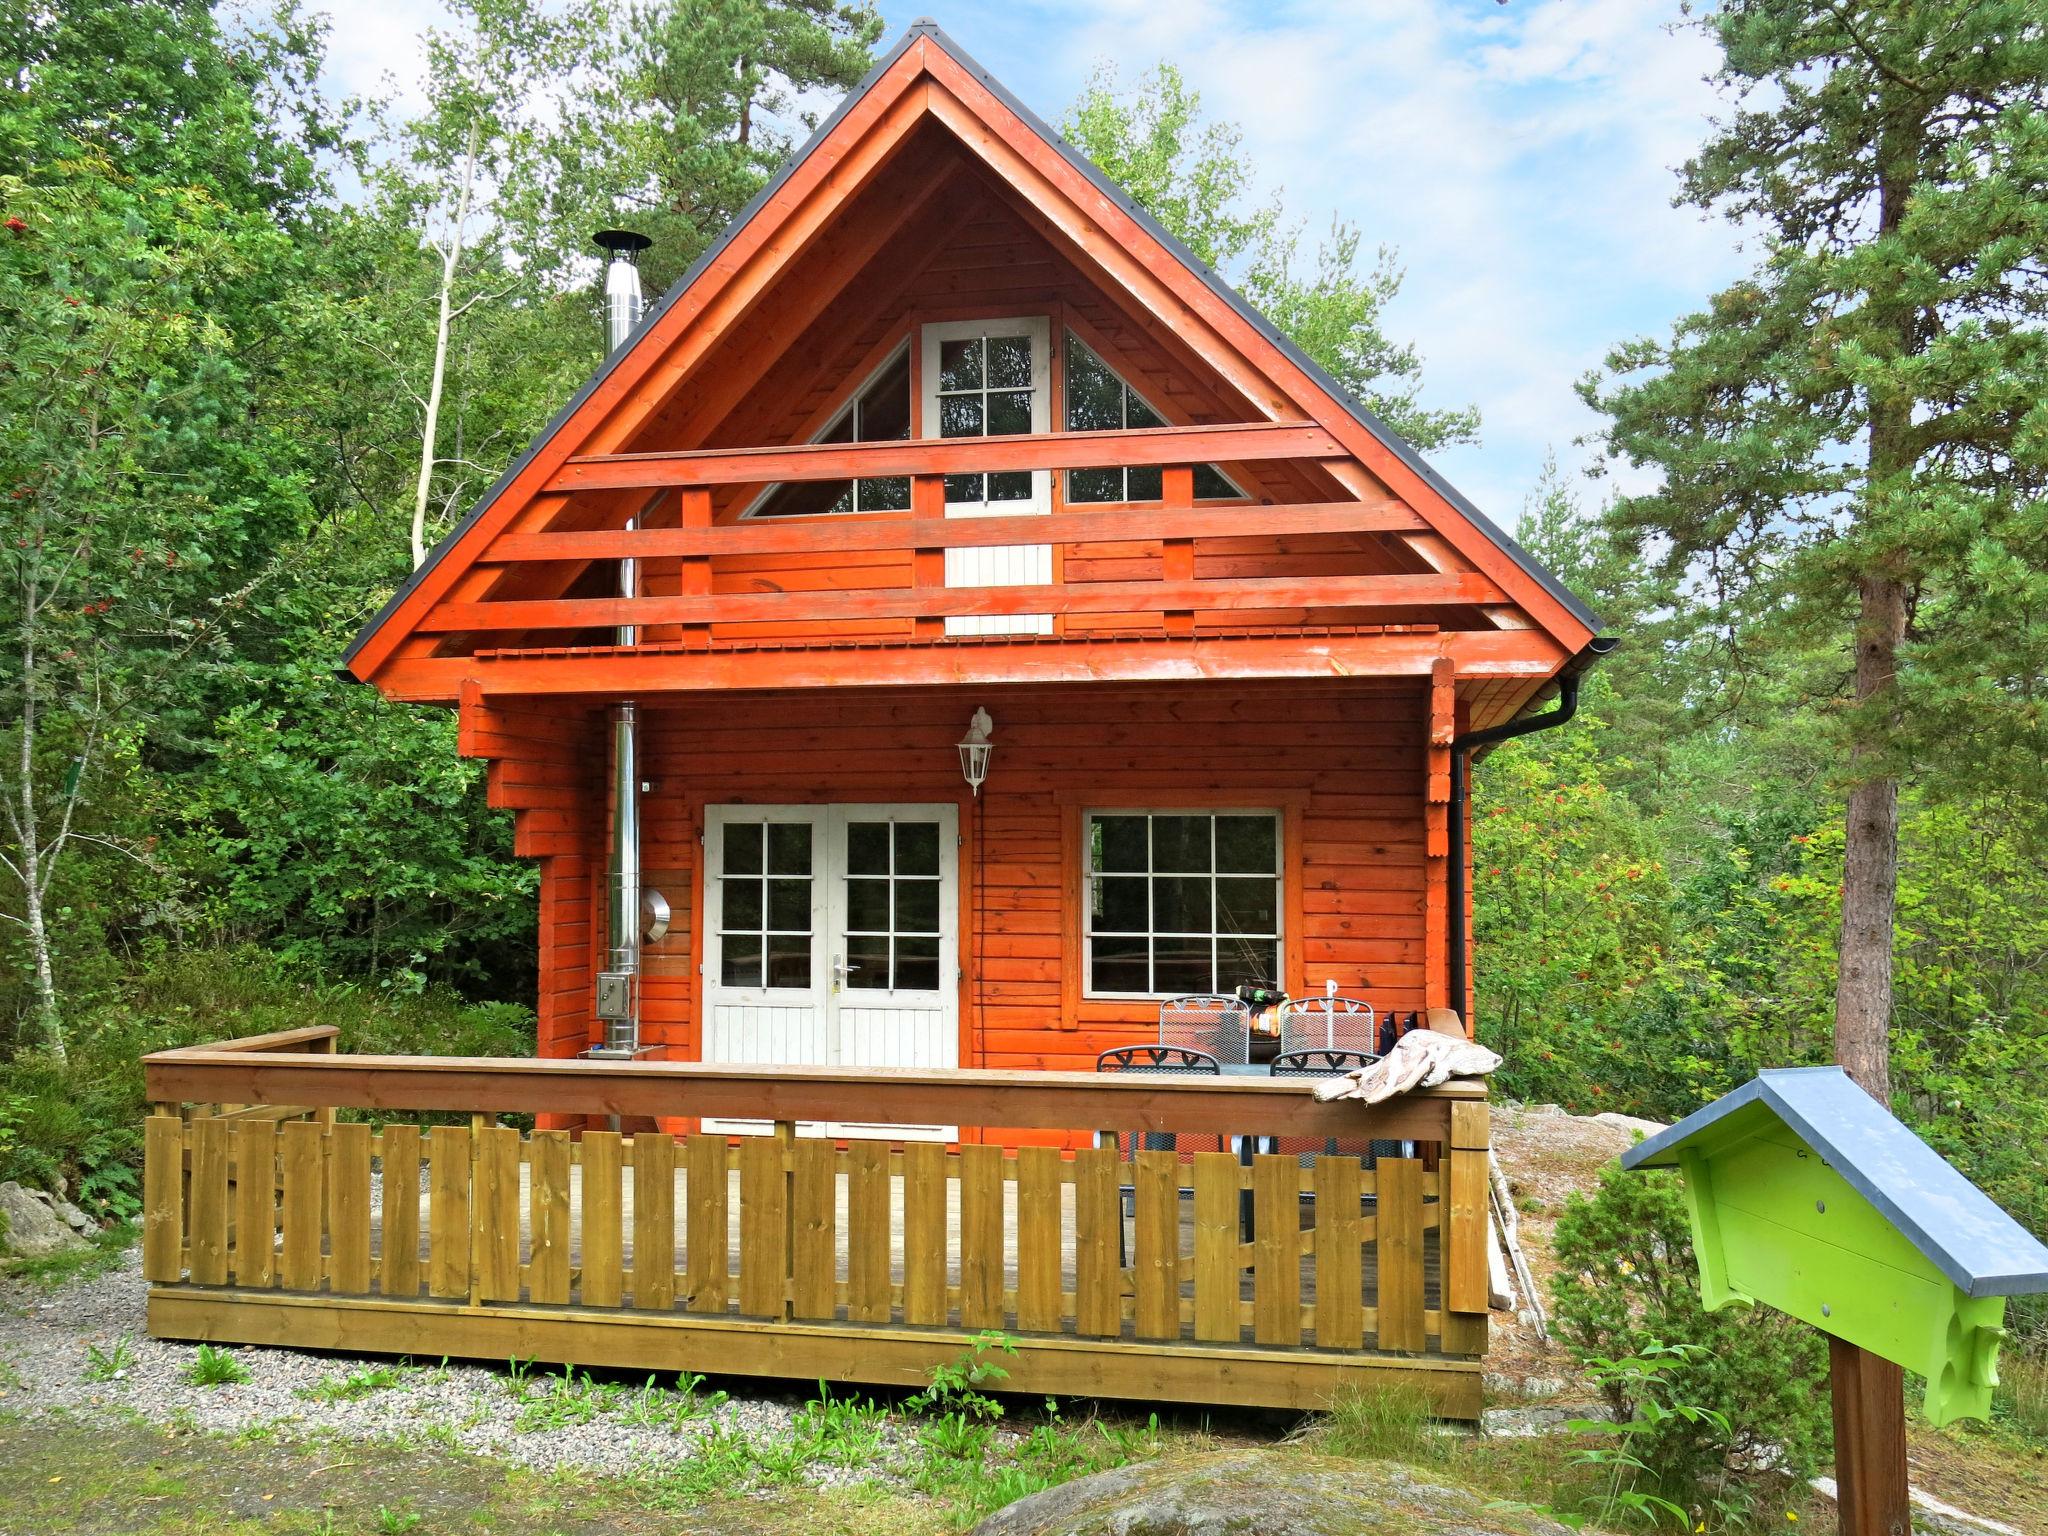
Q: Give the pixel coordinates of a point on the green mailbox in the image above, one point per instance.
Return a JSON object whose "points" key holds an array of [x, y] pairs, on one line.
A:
{"points": [[1806, 1195]]}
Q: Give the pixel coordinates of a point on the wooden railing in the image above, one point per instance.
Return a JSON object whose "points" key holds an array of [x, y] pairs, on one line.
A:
{"points": [[781, 1254], [914, 587]]}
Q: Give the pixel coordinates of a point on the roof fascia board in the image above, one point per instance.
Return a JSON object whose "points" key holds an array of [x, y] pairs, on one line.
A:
{"points": [[629, 364], [928, 50]]}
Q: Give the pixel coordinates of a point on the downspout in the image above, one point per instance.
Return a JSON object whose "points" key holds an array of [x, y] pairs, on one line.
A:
{"points": [[1471, 741], [618, 986]]}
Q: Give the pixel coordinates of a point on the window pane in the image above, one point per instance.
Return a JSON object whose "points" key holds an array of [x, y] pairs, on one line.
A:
{"points": [[1247, 906], [1121, 905], [1118, 965], [1119, 843], [964, 488], [1009, 412], [742, 903], [917, 906], [867, 963], [1095, 485], [1016, 487], [885, 407], [1182, 965], [867, 906], [1211, 486], [1138, 414], [917, 965], [741, 956], [1095, 399], [917, 848], [789, 905], [960, 364], [743, 848], [789, 960], [867, 848], [1247, 845], [1181, 904], [807, 499], [789, 848], [1242, 960], [1146, 485], [1009, 362], [1180, 844], [891, 493], [960, 416]]}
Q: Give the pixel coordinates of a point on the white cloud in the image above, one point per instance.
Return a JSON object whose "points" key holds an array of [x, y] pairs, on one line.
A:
{"points": [[1520, 157]]}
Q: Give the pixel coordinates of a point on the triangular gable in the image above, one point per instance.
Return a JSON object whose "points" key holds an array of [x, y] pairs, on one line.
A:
{"points": [[926, 76]]}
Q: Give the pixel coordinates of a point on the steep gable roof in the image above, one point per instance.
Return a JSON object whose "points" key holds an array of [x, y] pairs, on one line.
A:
{"points": [[925, 50]]}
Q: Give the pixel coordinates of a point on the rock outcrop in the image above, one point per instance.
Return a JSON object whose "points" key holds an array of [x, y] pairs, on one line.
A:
{"points": [[1262, 1493]]}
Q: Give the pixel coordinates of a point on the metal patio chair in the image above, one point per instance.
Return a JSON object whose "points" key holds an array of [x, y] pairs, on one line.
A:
{"points": [[1210, 1022], [1326, 1062], [1160, 1061], [1329, 1023]]}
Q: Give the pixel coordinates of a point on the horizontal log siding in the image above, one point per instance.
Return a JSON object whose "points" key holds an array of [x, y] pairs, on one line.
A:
{"points": [[1344, 762]]}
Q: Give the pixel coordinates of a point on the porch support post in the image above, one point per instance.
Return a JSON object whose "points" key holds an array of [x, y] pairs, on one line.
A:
{"points": [[1437, 853]]}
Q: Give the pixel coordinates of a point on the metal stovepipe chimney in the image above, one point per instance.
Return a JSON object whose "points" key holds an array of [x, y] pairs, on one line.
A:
{"points": [[618, 987]]}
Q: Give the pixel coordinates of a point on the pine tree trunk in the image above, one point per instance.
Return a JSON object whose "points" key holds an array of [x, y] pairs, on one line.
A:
{"points": [[1870, 865]]}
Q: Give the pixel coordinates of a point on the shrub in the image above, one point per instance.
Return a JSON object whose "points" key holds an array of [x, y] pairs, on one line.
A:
{"points": [[1627, 1283]]}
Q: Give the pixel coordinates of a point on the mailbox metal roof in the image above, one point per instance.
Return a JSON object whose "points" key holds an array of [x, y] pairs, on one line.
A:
{"points": [[1960, 1229]]}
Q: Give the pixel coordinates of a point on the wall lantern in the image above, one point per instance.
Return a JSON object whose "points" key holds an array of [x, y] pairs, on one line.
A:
{"points": [[974, 750]]}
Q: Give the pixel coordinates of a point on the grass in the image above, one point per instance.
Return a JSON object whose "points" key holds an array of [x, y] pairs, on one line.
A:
{"points": [[213, 1367], [2020, 1404], [356, 1385], [103, 1250], [111, 1363]]}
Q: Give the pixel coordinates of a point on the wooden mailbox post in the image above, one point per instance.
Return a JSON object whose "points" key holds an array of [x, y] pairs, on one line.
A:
{"points": [[1805, 1194]]}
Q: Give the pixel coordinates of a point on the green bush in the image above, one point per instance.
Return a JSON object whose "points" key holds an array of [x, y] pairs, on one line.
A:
{"points": [[79, 1122], [1627, 1283]]}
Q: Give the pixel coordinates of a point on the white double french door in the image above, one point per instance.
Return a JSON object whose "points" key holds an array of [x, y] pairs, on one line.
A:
{"points": [[831, 936]]}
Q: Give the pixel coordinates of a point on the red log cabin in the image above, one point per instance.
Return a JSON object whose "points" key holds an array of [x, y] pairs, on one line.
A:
{"points": [[944, 424]]}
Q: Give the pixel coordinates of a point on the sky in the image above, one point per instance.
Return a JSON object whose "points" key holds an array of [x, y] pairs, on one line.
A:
{"points": [[1519, 158]]}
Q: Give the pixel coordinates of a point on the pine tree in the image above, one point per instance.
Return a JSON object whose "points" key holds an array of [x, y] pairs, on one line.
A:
{"points": [[1854, 436]]}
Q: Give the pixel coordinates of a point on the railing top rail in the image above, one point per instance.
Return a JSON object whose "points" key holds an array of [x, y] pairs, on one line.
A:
{"points": [[1023, 1100], [1236, 441], [276, 1040]]}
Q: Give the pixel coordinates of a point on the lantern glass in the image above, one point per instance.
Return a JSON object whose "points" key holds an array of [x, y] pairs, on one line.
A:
{"points": [[975, 750]]}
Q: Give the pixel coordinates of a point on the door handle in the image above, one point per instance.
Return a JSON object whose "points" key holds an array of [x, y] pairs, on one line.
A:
{"points": [[840, 971]]}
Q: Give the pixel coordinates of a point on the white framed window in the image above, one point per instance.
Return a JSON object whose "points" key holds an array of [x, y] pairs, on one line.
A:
{"points": [[1098, 400], [878, 411], [990, 378], [1180, 901]]}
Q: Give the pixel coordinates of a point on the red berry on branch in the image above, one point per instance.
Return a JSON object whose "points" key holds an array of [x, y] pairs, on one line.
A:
{"points": [[15, 226]]}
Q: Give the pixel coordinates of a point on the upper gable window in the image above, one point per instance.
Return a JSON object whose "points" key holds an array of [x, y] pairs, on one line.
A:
{"points": [[879, 412], [1100, 401]]}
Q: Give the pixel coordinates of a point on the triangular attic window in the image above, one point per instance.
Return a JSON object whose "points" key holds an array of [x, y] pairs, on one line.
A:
{"points": [[1098, 400], [876, 412]]}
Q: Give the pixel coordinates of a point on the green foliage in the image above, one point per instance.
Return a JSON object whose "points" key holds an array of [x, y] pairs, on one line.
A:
{"points": [[1193, 177], [1627, 1290], [364, 1381], [111, 1363], [213, 1367]]}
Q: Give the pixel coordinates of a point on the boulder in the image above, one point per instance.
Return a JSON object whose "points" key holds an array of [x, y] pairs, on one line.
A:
{"points": [[1262, 1493], [31, 1229]]}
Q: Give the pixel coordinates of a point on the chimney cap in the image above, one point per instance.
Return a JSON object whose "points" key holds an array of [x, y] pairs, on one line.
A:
{"points": [[623, 244]]}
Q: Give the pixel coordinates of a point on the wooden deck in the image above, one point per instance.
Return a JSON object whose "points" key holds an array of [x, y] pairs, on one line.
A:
{"points": [[786, 1256]]}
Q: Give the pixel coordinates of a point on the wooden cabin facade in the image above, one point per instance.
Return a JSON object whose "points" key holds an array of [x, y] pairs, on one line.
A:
{"points": [[944, 424]]}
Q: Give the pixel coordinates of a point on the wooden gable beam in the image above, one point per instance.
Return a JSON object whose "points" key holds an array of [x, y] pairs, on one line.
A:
{"points": [[1113, 240], [686, 331]]}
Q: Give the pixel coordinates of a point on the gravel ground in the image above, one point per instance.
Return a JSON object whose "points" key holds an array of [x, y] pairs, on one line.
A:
{"points": [[45, 1337]]}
